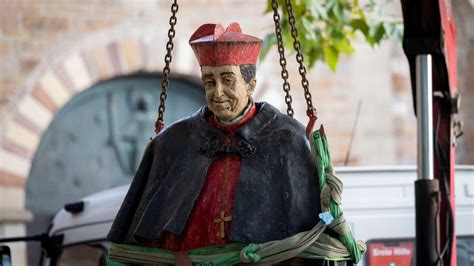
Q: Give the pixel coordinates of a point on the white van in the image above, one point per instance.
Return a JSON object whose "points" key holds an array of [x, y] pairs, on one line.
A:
{"points": [[377, 201]]}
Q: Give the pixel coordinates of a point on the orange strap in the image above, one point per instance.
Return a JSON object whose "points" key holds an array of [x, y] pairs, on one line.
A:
{"points": [[159, 125], [313, 116]]}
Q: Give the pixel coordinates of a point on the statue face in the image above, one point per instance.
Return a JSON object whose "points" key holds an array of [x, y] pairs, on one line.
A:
{"points": [[227, 93]]}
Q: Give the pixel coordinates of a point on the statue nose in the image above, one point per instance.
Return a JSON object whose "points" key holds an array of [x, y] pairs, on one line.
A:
{"points": [[219, 92]]}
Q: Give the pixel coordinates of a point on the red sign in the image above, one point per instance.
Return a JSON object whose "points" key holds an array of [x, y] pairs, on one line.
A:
{"points": [[391, 254]]}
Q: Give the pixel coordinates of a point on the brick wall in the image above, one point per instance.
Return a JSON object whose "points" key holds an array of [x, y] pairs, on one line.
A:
{"points": [[37, 34], [464, 15]]}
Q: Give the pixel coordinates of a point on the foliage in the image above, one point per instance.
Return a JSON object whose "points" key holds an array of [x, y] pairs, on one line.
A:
{"points": [[328, 27]]}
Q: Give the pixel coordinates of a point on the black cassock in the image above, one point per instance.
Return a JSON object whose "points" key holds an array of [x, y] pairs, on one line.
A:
{"points": [[277, 193]]}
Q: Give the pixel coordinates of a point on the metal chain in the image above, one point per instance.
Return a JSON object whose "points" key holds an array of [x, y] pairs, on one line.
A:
{"points": [[166, 70], [281, 51], [299, 57]]}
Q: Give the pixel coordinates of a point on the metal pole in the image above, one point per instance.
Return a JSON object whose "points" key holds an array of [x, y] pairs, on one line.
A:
{"points": [[426, 187], [424, 111]]}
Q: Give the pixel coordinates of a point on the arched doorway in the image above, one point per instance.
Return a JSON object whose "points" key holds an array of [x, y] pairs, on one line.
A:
{"points": [[96, 139]]}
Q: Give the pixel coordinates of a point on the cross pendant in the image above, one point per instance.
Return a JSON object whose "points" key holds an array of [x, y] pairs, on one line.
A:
{"points": [[222, 220]]}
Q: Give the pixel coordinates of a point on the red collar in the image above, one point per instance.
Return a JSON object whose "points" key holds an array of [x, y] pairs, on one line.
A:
{"points": [[233, 127]]}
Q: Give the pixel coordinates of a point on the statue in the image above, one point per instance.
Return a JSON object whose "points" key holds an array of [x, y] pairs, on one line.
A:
{"points": [[235, 171]]}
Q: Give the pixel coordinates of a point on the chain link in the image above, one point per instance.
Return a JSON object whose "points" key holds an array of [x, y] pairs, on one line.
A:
{"points": [[299, 57], [281, 51], [166, 70]]}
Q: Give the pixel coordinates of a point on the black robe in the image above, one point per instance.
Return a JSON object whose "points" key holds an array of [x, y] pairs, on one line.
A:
{"points": [[277, 193]]}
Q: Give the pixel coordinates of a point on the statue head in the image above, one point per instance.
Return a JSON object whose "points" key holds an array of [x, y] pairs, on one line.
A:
{"points": [[228, 67]]}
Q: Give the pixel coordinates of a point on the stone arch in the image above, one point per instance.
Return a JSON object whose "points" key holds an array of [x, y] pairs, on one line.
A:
{"points": [[56, 83]]}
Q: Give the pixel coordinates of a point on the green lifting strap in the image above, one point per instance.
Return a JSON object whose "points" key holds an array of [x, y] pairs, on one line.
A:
{"points": [[320, 149]]}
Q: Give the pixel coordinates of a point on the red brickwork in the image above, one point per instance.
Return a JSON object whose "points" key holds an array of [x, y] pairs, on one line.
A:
{"points": [[51, 50], [464, 15]]}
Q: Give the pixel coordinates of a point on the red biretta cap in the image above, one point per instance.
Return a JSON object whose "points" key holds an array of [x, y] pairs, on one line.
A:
{"points": [[214, 46]]}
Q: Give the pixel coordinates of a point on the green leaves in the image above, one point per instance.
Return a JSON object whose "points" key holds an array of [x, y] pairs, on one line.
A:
{"points": [[343, 45], [331, 55], [328, 27], [376, 32]]}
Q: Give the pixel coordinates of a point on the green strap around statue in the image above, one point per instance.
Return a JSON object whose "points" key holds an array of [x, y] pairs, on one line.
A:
{"points": [[312, 244], [331, 191]]}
